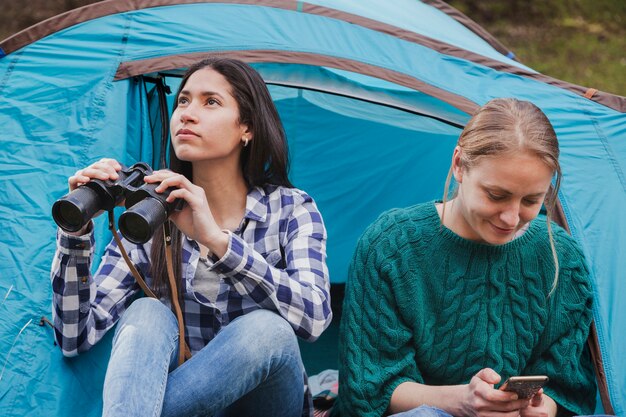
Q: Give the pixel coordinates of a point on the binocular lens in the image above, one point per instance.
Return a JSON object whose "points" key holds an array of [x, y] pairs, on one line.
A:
{"points": [[73, 211], [139, 222]]}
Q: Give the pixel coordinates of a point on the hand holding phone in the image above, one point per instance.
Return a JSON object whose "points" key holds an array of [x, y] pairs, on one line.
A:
{"points": [[524, 386]]}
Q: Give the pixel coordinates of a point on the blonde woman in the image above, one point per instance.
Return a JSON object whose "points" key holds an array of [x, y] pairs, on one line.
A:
{"points": [[445, 300]]}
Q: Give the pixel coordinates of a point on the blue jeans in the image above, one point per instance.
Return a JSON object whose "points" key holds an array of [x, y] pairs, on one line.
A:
{"points": [[251, 367], [428, 411], [423, 411]]}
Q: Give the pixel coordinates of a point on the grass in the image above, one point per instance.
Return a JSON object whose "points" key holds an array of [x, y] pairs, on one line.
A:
{"points": [[575, 51], [580, 41]]}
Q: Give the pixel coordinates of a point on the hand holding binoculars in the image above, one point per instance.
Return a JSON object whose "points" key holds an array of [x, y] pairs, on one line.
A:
{"points": [[146, 209]]}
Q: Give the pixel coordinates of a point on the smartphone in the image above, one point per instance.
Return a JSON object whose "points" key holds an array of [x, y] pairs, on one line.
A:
{"points": [[524, 386]]}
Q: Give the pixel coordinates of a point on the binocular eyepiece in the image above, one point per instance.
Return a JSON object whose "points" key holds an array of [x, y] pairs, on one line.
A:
{"points": [[146, 209]]}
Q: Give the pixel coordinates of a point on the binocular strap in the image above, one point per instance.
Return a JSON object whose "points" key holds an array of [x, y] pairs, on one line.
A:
{"points": [[183, 350]]}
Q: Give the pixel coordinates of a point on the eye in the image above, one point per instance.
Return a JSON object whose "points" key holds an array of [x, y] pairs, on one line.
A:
{"points": [[495, 197], [212, 102], [182, 100], [531, 201]]}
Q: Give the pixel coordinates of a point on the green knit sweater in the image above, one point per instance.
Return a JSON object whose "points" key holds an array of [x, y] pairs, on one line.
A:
{"points": [[423, 304]]}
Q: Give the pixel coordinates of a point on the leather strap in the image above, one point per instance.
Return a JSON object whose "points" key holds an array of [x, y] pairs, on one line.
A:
{"points": [[131, 266], [183, 350]]}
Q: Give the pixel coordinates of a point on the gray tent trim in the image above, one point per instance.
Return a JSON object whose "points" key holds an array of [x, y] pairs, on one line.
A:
{"points": [[133, 68]]}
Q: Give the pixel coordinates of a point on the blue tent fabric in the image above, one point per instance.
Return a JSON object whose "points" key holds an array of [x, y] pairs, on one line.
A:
{"points": [[372, 97]]}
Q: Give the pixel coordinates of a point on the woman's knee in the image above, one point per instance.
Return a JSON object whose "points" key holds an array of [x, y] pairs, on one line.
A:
{"points": [[147, 316], [266, 332]]}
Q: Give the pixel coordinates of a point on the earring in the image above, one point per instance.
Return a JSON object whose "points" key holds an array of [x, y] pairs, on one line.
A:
{"points": [[245, 142]]}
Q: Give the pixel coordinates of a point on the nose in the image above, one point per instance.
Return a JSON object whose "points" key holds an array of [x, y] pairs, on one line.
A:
{"points": [[188, 114], [510, 216]]}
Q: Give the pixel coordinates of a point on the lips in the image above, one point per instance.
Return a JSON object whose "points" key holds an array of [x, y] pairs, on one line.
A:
{"points": [[503, 231], [186, 132]]}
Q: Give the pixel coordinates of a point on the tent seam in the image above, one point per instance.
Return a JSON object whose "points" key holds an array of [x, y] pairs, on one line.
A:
{"points": [[7, 75], [576, 233], [607, 360], [99, 100]]}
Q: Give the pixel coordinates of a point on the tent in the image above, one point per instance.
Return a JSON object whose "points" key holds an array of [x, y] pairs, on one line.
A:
{"points": [[373, 96]]}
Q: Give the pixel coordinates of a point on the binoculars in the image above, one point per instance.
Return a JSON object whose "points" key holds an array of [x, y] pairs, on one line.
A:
{"points": [[146, 209]]}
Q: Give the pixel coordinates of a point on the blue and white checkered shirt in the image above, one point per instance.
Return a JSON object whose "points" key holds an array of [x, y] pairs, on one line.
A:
{"points": [[276, 260]]}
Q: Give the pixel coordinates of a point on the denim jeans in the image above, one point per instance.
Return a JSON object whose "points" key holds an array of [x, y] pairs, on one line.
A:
{"points": [[427, 411], [423, 411], [251, 368]]}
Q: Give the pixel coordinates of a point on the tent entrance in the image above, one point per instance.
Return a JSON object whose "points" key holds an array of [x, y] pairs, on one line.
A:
{"points": [[384, 145]]}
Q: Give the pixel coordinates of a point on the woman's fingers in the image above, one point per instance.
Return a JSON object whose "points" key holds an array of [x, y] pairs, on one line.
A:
{"points": [[485, 399], [162, 175], [179, 185], [104, 169], [169, 179], [100, 173], [77, 179], [109, 162], [489, 376], [183, 194], [537, 399]]}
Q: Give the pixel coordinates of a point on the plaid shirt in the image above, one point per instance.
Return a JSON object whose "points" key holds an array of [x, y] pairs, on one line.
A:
{"points": [[276, 260]]}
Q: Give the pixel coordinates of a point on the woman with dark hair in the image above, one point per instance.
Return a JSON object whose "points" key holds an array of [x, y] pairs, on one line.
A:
{"points": [[249, 254]]}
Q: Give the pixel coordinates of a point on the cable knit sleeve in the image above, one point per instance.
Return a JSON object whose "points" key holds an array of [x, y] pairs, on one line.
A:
{"points": [[562, 352], [375, 352]]}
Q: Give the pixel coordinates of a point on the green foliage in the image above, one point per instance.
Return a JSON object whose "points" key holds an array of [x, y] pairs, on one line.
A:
{"points": [[18, 15], [580, 41]]}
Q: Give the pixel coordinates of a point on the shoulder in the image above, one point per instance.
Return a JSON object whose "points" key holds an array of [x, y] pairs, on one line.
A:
{"points": [[417, 218], [293, 208], [573, 268], [286, 196], [398, 225], [569, 250]]}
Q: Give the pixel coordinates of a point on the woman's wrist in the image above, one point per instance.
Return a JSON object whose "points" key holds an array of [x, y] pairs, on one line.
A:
{"points": [[409, 395], [456, 394], [217, 243]]}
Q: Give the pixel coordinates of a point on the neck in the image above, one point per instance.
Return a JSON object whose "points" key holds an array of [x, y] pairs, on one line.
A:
{"points": [[452, 218], [225, 188]]}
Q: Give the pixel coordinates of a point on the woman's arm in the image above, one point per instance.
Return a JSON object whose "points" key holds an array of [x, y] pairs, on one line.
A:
{"points": [[410, 395], [376, 355], [85, 307], [299, 291], [478, 398]]}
